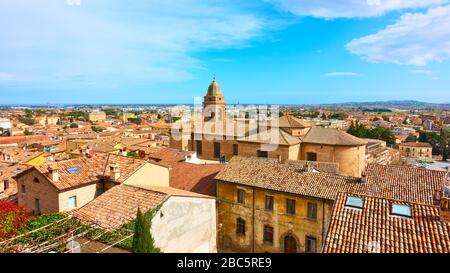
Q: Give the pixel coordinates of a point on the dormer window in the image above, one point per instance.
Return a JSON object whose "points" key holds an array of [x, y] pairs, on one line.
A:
{"points": [[354, 202], [401, 210]]}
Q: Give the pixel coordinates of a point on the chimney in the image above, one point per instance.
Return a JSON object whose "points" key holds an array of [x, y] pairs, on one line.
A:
{"points": [[5, 184], [444, 199], [437, 198], [363, 178], [114, 172], [54, 173]]}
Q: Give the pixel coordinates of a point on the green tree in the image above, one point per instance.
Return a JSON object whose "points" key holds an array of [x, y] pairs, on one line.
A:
{"points": [[27, 120], [73, 125], [132, 154], [27, 132], [361, 131], [97, 129], [135, 120], [142, 240], [411, 138], [443, 143], [341, 116]]}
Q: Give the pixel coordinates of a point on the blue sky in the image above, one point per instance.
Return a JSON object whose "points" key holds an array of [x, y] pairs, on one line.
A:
{"points": [[261, 51]]}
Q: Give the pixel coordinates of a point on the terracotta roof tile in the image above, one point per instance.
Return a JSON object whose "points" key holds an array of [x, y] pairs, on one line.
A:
{"points": [[331, 136], [195, 177], [397, 182], [91, 169], [119, 206], [374, 229]]}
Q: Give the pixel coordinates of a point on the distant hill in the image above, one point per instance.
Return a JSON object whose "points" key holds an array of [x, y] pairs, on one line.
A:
{"points": [[390, 104]]}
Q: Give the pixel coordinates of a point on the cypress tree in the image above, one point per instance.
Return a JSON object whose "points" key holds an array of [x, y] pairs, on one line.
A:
{"points": [[142, 240]]}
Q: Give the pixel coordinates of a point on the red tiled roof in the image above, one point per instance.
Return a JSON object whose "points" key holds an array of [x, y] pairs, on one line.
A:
{"points": [[22, 139], [374, 228], [195, 177], [397, 182], [119, 206], [416, 144], [168, 156], [91, 169]]}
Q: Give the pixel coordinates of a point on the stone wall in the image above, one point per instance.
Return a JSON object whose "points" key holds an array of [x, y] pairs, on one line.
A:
{"points": [[42, 190]]}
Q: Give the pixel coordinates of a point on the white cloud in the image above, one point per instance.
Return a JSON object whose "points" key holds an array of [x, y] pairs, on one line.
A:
{"points": [[140, 42], [349, 8], [341, 74], [415, 39], [7, 76], [422, 71]]}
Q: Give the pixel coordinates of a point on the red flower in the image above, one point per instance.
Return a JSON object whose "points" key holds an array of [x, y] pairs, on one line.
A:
{"points": [[12, 219]]}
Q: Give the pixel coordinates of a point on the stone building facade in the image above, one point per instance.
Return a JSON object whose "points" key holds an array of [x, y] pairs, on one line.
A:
{"points": [[268, 206], [421, 150], [296, 139]]}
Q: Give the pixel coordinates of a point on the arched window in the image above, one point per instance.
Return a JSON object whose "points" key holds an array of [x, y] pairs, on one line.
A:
{"points": [[36, 180]]}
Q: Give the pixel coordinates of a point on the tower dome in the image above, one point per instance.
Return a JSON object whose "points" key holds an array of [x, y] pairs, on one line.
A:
{"points": [[214, 89]]}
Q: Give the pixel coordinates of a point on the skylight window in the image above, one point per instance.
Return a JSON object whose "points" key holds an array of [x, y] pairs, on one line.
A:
{"points": [[74, 170], [354, 202], [401, 210]]}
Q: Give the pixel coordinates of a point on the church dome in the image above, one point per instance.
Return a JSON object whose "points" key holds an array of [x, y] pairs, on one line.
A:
{"points": [[214, 89]]}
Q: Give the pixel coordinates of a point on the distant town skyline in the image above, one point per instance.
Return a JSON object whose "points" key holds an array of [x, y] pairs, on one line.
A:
{"points": [[265, 51]]}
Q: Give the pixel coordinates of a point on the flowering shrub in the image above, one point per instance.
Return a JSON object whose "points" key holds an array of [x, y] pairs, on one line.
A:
{"points": [[12, 219]]}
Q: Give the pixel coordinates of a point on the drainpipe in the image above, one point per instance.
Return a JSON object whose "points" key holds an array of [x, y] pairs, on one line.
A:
{"points": [[323, 220], [253, 225]]}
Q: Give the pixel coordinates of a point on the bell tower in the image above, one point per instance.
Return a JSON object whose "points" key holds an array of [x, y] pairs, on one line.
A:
{"points": [[214, 103]]}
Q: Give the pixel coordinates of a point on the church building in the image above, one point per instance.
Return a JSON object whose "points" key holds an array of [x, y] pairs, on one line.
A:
{"points": [[290, 138]]}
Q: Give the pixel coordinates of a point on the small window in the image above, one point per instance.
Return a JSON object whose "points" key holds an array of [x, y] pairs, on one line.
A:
{"points": [[268, 234], [311, 156], [72, 202], [269, 202], [74, 170], [235, 149], [290, 206], [36, 180], [311, 244], [198, 145], [37, 207], [23, 188], [312, 211], [216, 150], [354, 202], [401, 210], [263, 154], [241, 196], [240, 226]]}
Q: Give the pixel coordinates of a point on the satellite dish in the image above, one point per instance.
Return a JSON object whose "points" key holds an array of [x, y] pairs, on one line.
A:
{"points": [[73, 247]]}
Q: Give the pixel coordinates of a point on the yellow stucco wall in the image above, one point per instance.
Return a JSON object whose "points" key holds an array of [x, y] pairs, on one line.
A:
{"points": [[149, 175], [253, 211], [351, 159]]}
